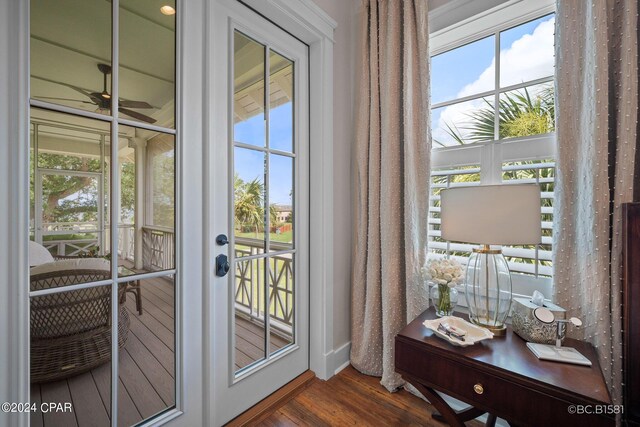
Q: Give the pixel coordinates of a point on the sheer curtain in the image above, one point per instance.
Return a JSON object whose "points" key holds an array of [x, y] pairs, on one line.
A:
{"points": [[392, 152], [597, 131]]}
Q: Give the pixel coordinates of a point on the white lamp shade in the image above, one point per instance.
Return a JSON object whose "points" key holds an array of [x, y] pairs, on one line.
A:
{"points": [[491, 214]]}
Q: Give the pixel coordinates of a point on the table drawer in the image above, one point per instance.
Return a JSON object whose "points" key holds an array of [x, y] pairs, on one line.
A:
{"points": [[487, 391]]}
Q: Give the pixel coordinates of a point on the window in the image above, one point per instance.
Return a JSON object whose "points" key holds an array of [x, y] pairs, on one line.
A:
{"points": [[492, 119]]}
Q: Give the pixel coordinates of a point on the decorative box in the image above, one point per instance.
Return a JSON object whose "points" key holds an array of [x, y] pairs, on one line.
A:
{"points": [[528, 327]]}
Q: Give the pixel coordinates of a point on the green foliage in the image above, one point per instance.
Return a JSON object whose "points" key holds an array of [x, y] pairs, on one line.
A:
{"points": [[520, 114], [249, 205]]}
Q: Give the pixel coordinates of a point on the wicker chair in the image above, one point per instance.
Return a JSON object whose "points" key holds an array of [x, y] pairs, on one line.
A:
{"points": [[71, 331]]}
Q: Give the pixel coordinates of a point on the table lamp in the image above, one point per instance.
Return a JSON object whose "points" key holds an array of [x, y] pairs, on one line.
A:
{"points": [[490, 215]]}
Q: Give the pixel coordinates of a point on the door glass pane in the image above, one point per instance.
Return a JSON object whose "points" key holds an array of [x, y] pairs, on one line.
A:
{"points": [[71, 350], [146, 367], [146, 228], [281, 301], [248, 93], [280, 102], [249, 202], [249, 318], [280, 202], [527, 51], [147, 61], [71, 53], [69, 188]]}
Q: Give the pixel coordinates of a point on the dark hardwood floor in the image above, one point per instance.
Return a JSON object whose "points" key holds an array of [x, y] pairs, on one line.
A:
{"points": [[351, 398]]}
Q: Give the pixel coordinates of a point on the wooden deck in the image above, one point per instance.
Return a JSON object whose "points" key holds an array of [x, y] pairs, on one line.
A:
{"points": [[147, 370]]}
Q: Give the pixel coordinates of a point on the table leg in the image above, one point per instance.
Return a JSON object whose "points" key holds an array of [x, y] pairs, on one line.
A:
{"points": [[464, 415], [491, 420], [138, 297], [446, 412]]}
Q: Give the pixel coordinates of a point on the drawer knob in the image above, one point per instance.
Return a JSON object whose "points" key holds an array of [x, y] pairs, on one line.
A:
{"points": [[478, 388]]}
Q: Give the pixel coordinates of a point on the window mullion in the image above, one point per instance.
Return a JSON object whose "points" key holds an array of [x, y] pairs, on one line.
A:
{"points": [[496, 94], [115, 194]]}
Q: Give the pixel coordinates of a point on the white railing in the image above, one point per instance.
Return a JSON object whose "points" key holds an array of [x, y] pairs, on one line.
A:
{"points": [[158, 248], [250, 277], [126, 241]]}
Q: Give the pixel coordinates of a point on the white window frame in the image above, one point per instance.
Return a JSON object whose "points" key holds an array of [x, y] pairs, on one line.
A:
{"points": [[491, 155]]}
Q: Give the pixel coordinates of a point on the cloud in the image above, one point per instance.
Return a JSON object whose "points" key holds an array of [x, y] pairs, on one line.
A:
{"points": [[528, 58]]}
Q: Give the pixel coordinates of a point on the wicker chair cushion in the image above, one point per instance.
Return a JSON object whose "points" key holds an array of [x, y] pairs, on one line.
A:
{"points": [[72, 264], [38, 254]]}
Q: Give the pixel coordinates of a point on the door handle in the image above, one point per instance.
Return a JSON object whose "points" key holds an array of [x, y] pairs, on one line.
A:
{"points": [[221, 239], [222, 265]]}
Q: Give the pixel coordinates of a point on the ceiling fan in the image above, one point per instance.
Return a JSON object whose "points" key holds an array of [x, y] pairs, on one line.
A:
{"points": [[103, 99]]}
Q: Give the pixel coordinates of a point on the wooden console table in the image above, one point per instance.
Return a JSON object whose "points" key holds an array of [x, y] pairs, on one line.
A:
{"points": [[503, 378]]}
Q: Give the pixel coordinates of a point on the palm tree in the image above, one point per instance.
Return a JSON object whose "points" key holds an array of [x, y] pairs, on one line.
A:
{"points": [[249, 204], [520, 114]]}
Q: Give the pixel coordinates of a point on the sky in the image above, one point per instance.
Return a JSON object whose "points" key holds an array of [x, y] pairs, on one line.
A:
{"points": [[249, 164], [526, 53]]}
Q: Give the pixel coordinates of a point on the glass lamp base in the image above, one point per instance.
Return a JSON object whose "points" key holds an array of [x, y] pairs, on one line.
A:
{"points": [[488, 289]]}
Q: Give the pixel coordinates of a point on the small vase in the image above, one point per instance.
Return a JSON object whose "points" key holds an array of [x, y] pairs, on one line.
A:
{"points": [[444, 299]]}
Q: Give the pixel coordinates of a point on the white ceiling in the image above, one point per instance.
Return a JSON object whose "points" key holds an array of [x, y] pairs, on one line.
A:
{"points": [[70, 37]]}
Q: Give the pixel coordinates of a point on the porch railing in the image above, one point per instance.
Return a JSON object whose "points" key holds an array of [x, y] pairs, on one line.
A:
{"points": [[158, 248], [250, 275]]}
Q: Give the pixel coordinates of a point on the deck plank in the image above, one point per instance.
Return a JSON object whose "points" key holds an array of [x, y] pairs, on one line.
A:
{"points": [[35, 417], [87, 403], [154, 326], [58, 392], [161, 352], [139, 388], [162, 382]]}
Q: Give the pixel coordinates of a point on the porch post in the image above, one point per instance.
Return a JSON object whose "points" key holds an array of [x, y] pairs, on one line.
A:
{"points": [[140, 145]]}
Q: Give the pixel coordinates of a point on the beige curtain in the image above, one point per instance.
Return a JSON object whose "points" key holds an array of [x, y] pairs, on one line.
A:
{"points": [[597, 131], [391, 181]]}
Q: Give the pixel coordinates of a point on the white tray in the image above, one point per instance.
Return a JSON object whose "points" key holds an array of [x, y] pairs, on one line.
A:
{"points": [[474, 333]]}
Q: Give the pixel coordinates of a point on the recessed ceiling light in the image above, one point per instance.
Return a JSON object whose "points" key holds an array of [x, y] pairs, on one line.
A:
{"points": [[167, 10]]}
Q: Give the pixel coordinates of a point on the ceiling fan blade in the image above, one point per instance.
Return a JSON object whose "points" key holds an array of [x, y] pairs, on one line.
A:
{"points": [[62, 99], [137, 115], [134, 104]]}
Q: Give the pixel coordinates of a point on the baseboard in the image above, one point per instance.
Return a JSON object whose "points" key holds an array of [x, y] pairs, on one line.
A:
{"points": [[269, 404], [341, 357]]}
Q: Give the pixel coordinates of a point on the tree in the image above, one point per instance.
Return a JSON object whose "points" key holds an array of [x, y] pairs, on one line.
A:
{"points": [[520, 114], [249, 204]]}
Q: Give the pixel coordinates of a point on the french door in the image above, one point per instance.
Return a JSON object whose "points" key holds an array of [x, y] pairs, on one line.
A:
{"points": [[259, 210]]}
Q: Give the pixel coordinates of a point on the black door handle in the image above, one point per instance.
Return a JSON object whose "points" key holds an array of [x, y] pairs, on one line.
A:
{"points": [[221, 239], [222, 265]]}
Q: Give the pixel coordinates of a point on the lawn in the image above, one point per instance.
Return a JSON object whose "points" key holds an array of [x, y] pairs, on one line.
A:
{"points": [[286, 237]]}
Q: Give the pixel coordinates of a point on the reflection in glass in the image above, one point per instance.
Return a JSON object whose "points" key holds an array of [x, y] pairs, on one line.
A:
{"points": [[281, 301], [527, 51], [280, 102], [249, 319], [454, 75], [69, 187], [249, 201], [248, 91], [527, 111], [147, 62], [146, 228], [71, 53], [281, 202], [463, 123], [71, 347], [147, 361]]}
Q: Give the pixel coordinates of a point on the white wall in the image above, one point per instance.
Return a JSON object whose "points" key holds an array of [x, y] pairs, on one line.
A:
{"points": [[344, 12]]}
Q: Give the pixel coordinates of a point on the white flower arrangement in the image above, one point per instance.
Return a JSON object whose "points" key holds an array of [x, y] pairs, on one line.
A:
{"points": [[443, 272]]}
